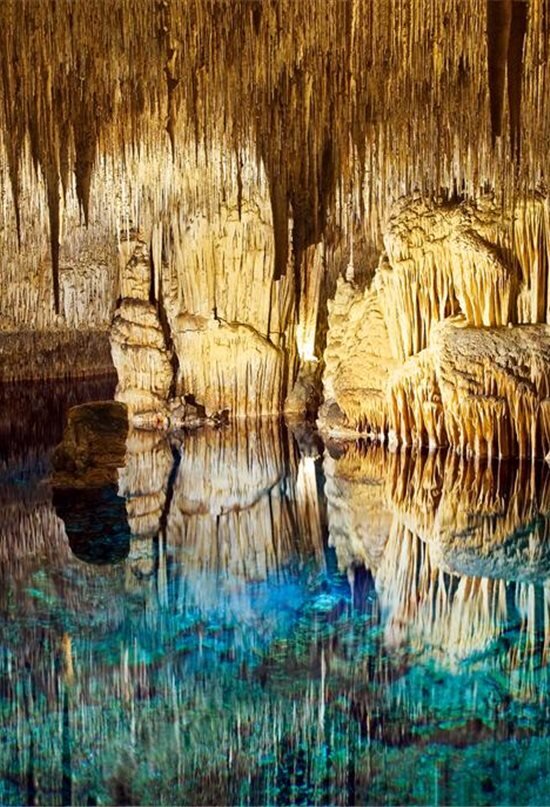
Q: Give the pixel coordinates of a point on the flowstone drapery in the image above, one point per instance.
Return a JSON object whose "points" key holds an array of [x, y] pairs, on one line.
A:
{"points": [[450, 344]]}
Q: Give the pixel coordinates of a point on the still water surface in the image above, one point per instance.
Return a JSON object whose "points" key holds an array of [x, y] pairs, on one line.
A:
{"points": [[240, 616]]}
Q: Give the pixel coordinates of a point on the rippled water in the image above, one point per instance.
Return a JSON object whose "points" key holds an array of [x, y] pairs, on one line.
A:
{"points": [[238, 616]]}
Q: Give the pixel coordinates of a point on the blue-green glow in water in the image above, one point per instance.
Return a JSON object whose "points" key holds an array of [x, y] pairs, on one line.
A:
{"points": [[233, 620]]}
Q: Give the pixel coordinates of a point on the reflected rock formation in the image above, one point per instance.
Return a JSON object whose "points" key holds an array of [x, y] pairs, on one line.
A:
{"points": [[235, 500], [480, 518], [85, 482], [226, 507], [458, 548]]}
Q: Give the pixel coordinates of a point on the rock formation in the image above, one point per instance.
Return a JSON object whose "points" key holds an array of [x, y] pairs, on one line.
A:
{"points": [[449, 345]]}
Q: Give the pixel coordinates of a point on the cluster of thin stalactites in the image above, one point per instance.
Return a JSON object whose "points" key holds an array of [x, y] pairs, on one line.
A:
{"points": [[341, 101]]}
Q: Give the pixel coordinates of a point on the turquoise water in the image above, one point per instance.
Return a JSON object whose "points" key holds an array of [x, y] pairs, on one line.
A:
{"points": [[242, 617]]}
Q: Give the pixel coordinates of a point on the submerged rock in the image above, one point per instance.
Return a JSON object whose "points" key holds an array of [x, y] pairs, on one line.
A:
{"points": [[85, 482]]}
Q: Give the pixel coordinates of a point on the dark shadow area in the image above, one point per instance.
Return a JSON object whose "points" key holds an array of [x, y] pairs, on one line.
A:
{"points": [[96, 523]]}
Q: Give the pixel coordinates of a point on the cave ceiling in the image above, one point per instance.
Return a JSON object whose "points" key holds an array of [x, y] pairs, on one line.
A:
{"points": [[349, 100]]}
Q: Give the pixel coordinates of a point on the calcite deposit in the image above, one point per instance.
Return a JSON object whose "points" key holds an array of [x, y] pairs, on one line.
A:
{"points": [[449, 344], [229, 366], [483, 391]]}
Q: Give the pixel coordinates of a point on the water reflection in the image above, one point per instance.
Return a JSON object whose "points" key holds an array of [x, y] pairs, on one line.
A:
{"points": [[271, 626], [460, 555], [95, 523]]}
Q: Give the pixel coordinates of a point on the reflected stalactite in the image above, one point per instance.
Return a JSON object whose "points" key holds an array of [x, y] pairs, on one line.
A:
{"points": [[457, 619], [460, 557]]}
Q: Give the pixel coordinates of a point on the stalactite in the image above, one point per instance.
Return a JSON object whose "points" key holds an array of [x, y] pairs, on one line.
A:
{"points": [[518, 30], [54, 202], [85, 140], [320, 98], [499, 19]]}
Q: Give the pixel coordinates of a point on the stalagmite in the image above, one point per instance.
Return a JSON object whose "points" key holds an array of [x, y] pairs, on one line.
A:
{"points": [[138, 343], [140, 357]]}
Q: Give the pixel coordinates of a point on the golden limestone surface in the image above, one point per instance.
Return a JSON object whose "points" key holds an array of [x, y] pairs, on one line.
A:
{"points": [[449, 344]]}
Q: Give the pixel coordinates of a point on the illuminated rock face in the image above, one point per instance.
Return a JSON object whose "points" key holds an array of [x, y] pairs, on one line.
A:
{"points": [[449, 345], [242, 148], [358, 360], [243, 178], [228, 366]]}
